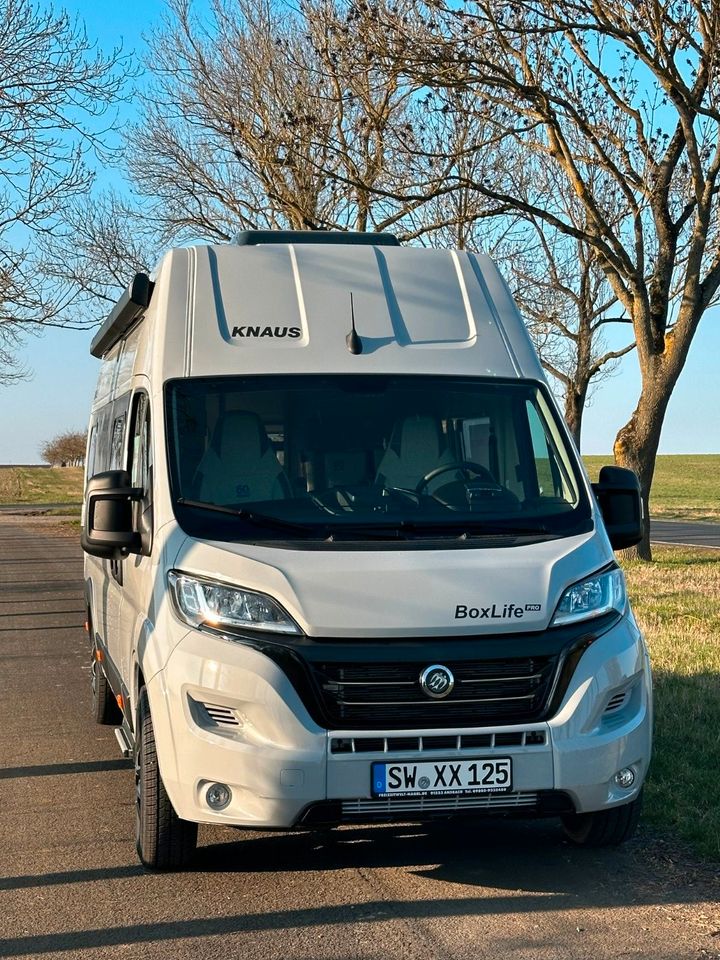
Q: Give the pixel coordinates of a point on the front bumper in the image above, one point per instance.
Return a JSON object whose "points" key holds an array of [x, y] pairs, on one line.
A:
{"points": [[224, 712]]}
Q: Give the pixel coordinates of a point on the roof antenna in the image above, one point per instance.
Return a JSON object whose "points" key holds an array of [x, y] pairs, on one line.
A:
{"points": [[353, 341]]}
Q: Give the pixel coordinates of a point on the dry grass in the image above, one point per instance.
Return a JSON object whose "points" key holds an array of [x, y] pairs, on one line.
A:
{"points": [[677, 603], [41, 485]]}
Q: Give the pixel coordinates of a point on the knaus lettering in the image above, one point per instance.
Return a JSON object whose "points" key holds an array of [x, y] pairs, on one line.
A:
{"points": [[292, 332], [494, 612]]}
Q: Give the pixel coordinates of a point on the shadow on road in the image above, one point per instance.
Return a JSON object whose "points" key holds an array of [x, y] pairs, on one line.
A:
{"points": [[522, 868], [54, 769], [496, 854]]}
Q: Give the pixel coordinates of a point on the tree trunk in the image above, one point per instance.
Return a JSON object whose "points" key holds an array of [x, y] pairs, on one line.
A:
{"points": [[636, 447], [575, 396]]}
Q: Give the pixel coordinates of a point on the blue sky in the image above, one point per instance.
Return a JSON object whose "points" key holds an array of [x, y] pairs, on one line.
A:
{"points": [[58, 395]]}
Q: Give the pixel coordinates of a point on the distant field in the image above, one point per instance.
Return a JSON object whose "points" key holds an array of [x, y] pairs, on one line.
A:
{"points": [[685, 487], [41, 485]]}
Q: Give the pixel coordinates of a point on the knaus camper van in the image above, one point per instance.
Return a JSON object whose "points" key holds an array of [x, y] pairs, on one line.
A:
{"points": [[343, 562]]}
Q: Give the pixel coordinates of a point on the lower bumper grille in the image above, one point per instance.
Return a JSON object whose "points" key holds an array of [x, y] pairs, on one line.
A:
{"points": [[524, 804], [395, 806]]}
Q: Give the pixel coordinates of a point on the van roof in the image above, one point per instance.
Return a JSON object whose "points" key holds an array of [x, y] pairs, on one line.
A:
{"points": [[283, 307]]}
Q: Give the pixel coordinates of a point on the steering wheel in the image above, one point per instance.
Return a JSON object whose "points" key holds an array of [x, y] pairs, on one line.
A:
{"points": [[467, 466]]}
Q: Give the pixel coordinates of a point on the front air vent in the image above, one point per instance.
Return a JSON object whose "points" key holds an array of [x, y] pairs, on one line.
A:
{"points": [[223, 716], [209, 715], [617, 702]]}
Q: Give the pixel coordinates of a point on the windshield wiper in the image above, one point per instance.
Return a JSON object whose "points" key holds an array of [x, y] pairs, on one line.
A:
{"points": [[261, 519], [390, 530], [322, 530], [535, 527], [473, 528]]}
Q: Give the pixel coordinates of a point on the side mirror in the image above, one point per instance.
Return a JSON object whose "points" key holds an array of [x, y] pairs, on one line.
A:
{"points": [[108, 528], [618, 495]]}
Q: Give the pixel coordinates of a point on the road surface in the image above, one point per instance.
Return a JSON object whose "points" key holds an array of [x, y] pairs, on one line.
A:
{"points": [[70, 885], [691, 533]]}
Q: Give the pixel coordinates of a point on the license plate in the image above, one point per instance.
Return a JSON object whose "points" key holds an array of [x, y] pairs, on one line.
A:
{"points": [[435, 778]]}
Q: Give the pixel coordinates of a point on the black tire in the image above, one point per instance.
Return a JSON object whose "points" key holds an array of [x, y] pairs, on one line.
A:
{"points": [[163, 841], [104, 706], [604, 828]]}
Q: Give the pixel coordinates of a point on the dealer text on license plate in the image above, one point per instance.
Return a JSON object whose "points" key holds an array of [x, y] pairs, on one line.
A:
{"points": [[434, 778]]}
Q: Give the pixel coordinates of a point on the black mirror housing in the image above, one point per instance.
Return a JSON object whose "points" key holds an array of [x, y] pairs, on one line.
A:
{"points": [[108, 530], [618, 495]]}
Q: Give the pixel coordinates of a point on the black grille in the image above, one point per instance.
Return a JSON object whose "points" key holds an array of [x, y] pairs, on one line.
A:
{"points": [[381, 695]]}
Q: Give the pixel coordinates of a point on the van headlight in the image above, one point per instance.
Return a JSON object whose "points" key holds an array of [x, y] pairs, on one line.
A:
{"points": [[592, 597], [211, 604]]}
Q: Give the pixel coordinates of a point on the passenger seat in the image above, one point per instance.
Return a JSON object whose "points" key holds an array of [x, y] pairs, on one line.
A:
{"points": [[240, 464]]}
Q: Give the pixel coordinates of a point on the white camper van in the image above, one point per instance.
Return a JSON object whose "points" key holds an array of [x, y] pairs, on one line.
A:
{"points": [[343, 563]]}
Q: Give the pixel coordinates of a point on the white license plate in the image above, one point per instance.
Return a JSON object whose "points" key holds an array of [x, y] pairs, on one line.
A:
{"points": [[434, 778]]}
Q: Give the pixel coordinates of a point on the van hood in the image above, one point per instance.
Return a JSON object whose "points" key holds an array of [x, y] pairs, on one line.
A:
{"points": [[405, 593]]}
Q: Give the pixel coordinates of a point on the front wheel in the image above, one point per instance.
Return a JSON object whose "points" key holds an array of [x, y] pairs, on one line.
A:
{"points": [[162, 839], [604, 828]]}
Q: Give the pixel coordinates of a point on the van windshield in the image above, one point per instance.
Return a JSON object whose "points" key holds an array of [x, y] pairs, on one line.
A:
{"points": [[371, 456]]}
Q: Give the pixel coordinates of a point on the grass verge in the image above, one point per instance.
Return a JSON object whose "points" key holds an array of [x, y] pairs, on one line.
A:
{"points": [[677, 603], [36, 485]]}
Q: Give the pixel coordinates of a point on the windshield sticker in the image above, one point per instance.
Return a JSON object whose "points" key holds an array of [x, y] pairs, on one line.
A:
{"points": [[506, 612]]}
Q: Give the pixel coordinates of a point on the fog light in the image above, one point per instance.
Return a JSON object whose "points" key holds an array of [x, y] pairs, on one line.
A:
{"points": [[218, 796], [625, 777]]}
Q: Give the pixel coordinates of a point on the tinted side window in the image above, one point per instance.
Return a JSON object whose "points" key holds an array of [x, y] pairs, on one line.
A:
{"points": [[549, 477], [91, 451], [101, 459], [140, 447], [116, 443], [140, 468]]}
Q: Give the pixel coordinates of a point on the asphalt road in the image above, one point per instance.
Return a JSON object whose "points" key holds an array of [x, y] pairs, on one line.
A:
{"points": [[688, 532], [70, 885]]}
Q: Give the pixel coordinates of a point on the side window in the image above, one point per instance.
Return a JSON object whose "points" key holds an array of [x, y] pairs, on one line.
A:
{"points": [[91, 450], [116, 443], [140, 447], [549, 478]]}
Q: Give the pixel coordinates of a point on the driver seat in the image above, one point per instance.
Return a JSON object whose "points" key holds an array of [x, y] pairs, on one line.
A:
{"points": [[416, 447]]}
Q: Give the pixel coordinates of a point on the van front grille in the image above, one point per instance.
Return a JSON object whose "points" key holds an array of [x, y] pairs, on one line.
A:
{"points": [[389, 695]]}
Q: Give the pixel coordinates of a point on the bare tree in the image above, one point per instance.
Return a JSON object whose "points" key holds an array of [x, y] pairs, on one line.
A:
{"points": [[624, 98], [263, 115], [55, 91], [555, 278], [65, 450], [560, 288], [260, 116], [93, 253], [270, 117]]}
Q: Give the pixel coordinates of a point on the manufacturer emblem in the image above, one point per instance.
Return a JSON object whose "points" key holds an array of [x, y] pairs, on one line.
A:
{"points": [[437, 681]]}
